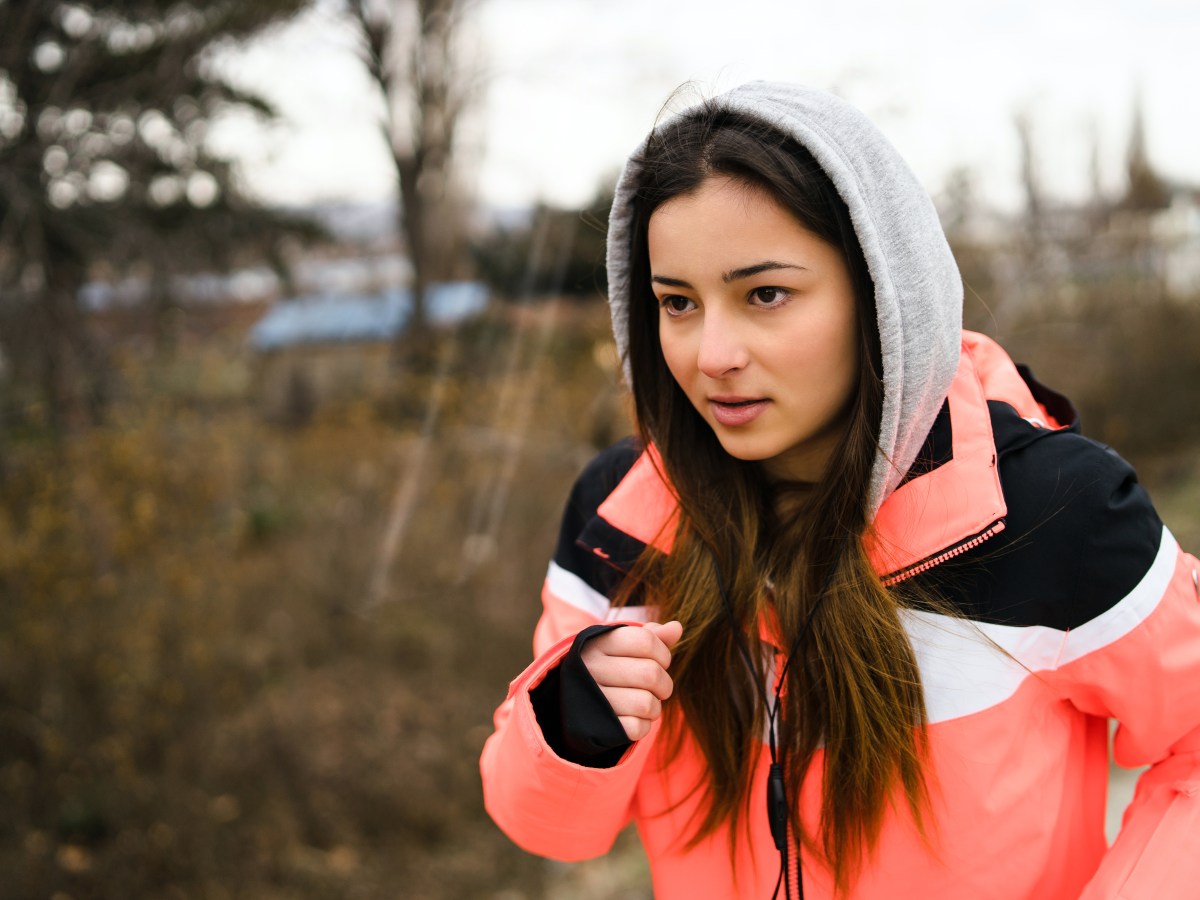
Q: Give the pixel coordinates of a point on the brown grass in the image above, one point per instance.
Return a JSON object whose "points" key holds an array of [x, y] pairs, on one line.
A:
{"points": [[197, 698]]}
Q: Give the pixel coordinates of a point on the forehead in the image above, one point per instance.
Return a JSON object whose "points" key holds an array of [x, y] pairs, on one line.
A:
{"points": [[733, 196], [727, 222]]}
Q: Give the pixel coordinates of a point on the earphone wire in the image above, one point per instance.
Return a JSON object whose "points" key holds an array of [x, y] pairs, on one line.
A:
{"points": [[774, 717]]}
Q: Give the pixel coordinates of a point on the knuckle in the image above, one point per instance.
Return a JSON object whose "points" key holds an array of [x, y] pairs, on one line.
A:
{"points": [[665, 687], [641, 640], [635, 728], [645, 705], [655, 708], [650, 672]]}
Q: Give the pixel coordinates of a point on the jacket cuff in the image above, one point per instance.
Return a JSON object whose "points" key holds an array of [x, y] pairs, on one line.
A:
{"points": [[576, 719]]}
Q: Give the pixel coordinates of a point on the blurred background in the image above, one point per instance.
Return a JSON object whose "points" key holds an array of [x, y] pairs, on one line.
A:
{"points": [[302, 341]]}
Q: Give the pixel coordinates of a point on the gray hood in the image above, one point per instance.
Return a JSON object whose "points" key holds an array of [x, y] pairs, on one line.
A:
{"points": [[918, 289]]}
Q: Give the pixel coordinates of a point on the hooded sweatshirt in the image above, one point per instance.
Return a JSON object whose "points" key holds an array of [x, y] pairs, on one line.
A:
{"points": [[918, 291], [1072, 603]]}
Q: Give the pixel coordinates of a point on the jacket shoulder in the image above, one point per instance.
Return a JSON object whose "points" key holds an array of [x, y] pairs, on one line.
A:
{"points": [[573, 553], [1080, 533]]}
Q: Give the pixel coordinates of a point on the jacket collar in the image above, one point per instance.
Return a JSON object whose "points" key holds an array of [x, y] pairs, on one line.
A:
{"points": [[952, 504], [934, 513]]}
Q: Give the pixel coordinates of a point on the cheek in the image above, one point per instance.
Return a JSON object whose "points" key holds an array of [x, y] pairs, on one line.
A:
{"points": [[676, 354]]}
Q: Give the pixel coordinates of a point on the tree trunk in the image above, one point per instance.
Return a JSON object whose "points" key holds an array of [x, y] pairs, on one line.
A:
{"points": [[413, 348]]}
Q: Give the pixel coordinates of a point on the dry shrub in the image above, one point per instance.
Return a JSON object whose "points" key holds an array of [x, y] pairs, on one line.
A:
{"points": [[1131, 368], [199, 697]]}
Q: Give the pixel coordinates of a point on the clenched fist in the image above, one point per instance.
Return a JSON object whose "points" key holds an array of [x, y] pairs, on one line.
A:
{"points": [[630, 666]]}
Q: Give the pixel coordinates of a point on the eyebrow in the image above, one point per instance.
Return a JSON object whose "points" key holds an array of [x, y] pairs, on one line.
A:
{"points": [[732, 275]]}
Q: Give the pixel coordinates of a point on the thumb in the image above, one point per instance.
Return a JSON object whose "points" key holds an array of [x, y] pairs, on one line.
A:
{"points": [[669, 633]]}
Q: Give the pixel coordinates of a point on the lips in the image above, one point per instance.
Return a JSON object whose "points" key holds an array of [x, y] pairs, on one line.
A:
{"points": [[734, 411]]}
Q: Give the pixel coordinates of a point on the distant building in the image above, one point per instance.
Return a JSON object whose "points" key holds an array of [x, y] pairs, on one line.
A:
{"points": [[1145, 252], [316, 349], [1176, 231]]}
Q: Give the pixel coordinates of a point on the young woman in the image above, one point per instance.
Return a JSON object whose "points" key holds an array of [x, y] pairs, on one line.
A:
{"points": [[850, 615]]}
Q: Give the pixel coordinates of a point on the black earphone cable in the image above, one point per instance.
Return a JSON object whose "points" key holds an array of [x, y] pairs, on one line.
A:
{"points": [[777, 803]]}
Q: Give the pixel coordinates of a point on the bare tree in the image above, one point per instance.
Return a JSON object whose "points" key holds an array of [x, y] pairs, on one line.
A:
{"points": [[411, 51], [1035, 203]]}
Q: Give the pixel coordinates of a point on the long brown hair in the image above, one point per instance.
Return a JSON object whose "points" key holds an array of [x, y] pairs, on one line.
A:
{"points": [[854, 687]]}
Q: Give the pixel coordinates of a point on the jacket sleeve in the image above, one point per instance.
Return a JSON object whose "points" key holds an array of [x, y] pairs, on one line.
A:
{"points": [[1138, 662], [548, 805], [1149, 681]]}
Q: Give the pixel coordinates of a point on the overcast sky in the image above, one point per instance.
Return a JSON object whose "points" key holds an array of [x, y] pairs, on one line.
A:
{"points": [[570, 86]]}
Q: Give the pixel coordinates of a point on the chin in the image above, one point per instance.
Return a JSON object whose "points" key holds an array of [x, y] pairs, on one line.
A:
{"points": [[748, 454]]}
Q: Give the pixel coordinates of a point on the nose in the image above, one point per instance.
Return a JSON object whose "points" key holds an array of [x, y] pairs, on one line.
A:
{"points": [[723, 349]]}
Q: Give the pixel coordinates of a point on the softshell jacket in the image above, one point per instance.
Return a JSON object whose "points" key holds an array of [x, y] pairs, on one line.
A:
{"points": [[1076, 606], [1072, 603]]}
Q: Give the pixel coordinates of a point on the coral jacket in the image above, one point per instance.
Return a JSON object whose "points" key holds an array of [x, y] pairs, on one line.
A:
{"points": [[1076, 604]]}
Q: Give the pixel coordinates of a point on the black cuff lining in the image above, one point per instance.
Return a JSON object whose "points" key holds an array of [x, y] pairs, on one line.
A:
{"points": [[573, 713]]}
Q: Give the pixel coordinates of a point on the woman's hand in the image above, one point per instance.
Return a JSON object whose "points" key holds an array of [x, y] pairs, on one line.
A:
{"points": [[630, 666]]}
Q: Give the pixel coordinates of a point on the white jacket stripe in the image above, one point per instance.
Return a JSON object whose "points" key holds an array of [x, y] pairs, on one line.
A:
{"points": [[964, 672], [571, 589]]}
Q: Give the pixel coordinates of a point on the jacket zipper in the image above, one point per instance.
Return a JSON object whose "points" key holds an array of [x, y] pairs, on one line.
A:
{"points": [[949, 553]]}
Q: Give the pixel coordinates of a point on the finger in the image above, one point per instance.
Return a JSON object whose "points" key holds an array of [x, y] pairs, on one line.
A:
{"points": [[631, 672], [669, 632], [635, 728], [633, 702], [634, 643]]}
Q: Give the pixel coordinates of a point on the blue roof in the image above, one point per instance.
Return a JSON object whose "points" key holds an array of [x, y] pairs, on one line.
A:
{"points": [[320, 319]]}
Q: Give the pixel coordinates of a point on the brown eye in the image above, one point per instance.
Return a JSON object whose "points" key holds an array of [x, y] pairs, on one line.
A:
{"points": [[768, 296], [675, 305]]}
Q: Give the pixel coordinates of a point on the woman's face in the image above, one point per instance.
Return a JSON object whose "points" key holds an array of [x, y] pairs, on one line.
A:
{"points": [[757, 324]]}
